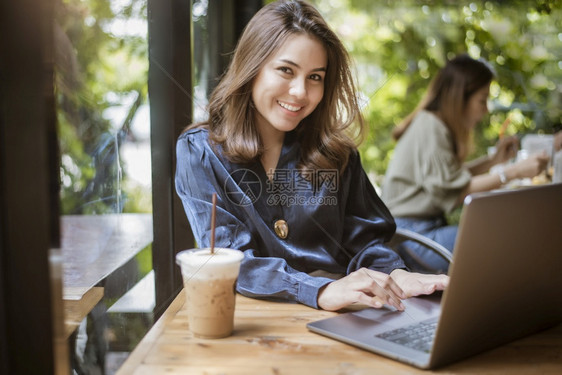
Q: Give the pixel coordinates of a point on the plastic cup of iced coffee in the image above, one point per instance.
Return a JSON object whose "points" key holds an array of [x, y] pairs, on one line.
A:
{"points": [[210, 285]]}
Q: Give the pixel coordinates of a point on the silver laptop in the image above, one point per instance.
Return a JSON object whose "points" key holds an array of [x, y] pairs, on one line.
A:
{"points": [[505, 283]]}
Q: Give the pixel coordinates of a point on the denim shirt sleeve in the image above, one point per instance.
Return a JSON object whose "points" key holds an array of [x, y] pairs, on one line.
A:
{"points": [[368, 224], [200, 173]]}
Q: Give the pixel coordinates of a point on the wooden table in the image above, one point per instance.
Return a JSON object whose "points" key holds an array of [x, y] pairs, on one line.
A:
{"points": [[94, 246], [272, 338], [76, 310]]}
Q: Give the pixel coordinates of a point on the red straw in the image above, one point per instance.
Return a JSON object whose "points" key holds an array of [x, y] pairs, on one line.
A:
{"points": [[213, 214]]}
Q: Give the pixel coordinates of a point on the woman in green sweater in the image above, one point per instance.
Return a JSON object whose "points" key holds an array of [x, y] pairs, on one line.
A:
{"points": [[428, 176]]}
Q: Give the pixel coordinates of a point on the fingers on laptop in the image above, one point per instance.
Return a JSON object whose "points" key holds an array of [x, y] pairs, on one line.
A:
{"points": [[383, 287]]}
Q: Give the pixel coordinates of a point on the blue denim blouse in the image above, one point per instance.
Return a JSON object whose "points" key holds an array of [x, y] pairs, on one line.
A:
{"points": [[336, 222]]}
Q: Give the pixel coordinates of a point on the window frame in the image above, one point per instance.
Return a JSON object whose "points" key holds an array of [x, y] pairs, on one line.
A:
{"points": [[29, 202], [171, 109]]}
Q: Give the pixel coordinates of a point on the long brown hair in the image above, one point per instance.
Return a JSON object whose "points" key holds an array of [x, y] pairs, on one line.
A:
{"points": [[325, 135], [448, 95]]}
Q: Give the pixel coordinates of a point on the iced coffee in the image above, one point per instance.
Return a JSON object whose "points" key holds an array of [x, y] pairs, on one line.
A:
{"points": [[209, 283]]}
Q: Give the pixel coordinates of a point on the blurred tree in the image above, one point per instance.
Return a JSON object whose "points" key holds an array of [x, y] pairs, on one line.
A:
{"points": [[101, 63], [399, 45]]}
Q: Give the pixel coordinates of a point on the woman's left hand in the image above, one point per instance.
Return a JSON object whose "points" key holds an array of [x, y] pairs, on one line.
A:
{"points": [[415, 284]]}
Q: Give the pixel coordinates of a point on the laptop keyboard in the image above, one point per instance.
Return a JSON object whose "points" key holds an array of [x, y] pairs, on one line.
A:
{"points": [[418, 336]]}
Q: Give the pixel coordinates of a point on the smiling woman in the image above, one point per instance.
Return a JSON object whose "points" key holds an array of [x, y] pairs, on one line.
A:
{"points": [[287, 89], [330, 122], [282, 113]]}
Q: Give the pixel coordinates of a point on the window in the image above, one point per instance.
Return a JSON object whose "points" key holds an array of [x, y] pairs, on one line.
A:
{"points": [[103, 123], [85, 59]]}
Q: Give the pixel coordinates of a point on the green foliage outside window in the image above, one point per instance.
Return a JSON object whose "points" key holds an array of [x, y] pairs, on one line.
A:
{"points": [[399, 45], [98, 68]]}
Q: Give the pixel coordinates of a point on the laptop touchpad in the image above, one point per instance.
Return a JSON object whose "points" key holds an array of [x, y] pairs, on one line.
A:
{"points": [[417, 309]]}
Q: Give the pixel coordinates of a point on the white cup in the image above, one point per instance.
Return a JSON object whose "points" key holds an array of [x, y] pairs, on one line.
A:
{"points": [[535, 143], [210, 286]]}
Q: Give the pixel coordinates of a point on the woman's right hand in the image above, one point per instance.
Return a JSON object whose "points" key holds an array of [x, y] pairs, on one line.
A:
{"points": [[365, 286], [506, 149], [530, 167]]}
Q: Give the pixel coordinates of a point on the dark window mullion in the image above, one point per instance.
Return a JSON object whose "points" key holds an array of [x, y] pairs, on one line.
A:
{"points": [[29, 188], [170, 93]]}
